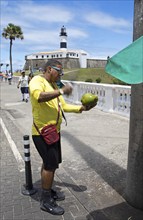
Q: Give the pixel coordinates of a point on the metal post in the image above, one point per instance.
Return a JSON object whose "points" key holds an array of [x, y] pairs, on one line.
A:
{"points": [[29, 190]]}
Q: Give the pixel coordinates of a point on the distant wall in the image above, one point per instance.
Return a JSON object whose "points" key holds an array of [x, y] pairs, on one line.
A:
{"points": [[94, 63], [68, 63]]}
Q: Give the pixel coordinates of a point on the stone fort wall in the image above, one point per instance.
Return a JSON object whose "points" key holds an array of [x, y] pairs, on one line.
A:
{"points": [[95, 63], [68, 63]]}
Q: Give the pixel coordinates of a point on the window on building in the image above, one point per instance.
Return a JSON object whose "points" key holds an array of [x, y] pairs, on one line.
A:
{"points": [[36, 56], [47, 56], [42, 56]]}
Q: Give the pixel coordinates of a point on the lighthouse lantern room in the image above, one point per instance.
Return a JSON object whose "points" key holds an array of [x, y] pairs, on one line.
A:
{"points": [[63, 36]]}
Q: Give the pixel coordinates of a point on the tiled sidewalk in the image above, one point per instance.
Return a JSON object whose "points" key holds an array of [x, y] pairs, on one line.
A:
{"points": [[92, 175], [16, 206]]}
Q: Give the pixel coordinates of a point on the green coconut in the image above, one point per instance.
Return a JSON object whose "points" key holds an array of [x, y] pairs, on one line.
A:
{"points": [[89, 99]]}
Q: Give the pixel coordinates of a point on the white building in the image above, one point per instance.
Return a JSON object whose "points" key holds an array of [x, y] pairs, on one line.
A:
{"points": [[63, 52], [68, 57]]}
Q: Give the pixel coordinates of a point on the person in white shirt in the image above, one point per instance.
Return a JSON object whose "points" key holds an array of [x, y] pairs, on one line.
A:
{"points": [[23, 83], [9, 77]]}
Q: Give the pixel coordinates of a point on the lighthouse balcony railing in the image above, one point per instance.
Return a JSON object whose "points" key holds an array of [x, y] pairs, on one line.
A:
{"points": [[111, 98]]}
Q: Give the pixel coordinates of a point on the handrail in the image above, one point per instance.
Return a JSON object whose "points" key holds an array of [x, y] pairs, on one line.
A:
{"points": [[112, 98]]}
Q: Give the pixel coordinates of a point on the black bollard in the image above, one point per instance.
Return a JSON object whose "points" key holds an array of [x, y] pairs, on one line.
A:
{"points": [[29, 190]]}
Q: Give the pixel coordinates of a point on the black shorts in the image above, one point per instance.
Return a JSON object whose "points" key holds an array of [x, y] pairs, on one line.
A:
{"points": [[50, 154], [24, 90]]}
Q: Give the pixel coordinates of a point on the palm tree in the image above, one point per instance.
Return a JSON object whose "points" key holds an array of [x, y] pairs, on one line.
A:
{"points": [[12, 32]]}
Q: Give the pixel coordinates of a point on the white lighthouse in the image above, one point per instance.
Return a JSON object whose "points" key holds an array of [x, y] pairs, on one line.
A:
{"points": [[71, 58], [63, 36]]}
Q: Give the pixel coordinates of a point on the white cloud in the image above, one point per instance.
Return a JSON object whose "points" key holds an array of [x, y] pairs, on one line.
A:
{"points": [[36, 36], [4, 3], [46, 14], [41, 21], [76, 33], [107, 21], [30, 14]]}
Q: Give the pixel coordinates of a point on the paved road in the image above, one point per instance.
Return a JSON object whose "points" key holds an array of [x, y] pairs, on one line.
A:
{"points": [[93, 172]]}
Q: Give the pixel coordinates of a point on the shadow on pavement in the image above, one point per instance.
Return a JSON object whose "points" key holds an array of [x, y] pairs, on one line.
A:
{"points": [[122, 211], [112, 173], [76, 188], [57, 185]]}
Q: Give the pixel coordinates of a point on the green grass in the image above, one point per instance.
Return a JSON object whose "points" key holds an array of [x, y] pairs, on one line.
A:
{"points": [[26, 73], [91, 74], [85, 75]]}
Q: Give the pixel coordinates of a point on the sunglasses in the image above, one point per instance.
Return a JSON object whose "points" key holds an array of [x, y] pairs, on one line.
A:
{"points": [[60, 71]]}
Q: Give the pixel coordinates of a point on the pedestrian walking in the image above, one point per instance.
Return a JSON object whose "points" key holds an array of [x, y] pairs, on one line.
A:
{"points": [[48, 106], [30, 76], [23, 83], [5, 75], [1, 76], [9, 77]]}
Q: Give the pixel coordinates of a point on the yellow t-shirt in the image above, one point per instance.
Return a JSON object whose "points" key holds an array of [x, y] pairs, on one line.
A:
{"points": [[45, 113]]}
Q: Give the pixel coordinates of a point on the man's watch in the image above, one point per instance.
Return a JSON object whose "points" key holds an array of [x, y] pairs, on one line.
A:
{"points": [[61, 91]]}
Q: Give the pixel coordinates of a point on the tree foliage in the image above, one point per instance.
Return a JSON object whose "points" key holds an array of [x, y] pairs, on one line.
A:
{"points": [[12, 32]]}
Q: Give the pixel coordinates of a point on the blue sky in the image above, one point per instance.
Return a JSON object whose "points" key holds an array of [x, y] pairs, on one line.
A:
{"points": [[100, 27]]}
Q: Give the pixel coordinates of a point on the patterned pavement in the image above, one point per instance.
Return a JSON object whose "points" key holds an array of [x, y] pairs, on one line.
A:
{"points": [[92, 175]]}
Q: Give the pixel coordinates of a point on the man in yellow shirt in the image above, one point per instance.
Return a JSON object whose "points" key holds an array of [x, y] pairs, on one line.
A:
{"points": [[45, 96]]}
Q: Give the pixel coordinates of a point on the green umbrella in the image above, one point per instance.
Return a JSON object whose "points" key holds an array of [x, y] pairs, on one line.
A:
{"points": [[127, 65]]}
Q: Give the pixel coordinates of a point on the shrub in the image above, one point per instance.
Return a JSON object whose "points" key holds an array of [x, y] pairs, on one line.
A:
{"points": [[119, 82], [88, 80], [98, 80]]}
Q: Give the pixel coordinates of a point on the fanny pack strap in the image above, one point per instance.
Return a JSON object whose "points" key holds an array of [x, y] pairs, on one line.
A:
{"points": [[36, 127], [60, 108]]}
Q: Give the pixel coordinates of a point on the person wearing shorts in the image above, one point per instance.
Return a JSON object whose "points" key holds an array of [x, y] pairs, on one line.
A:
{"points": [[45, 97], [51, 155], [23, 83], [9, 77]]}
